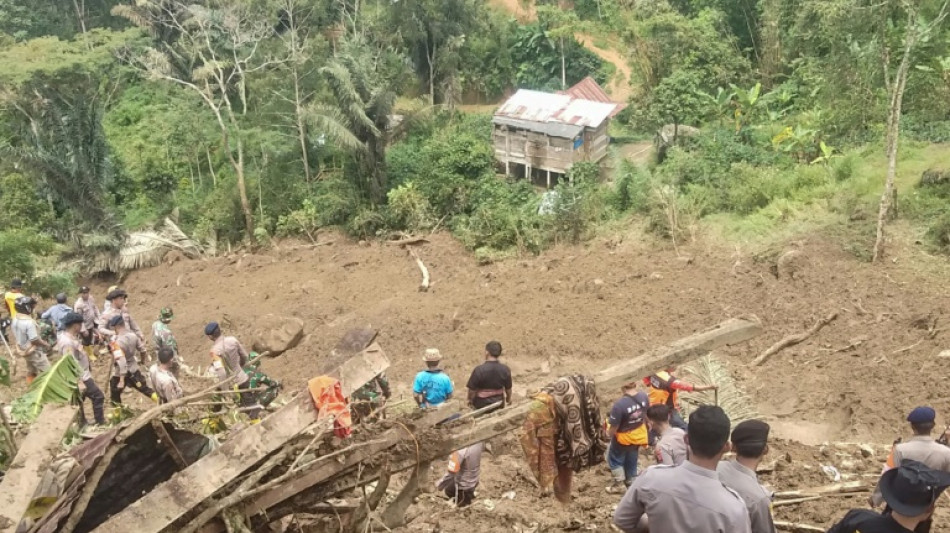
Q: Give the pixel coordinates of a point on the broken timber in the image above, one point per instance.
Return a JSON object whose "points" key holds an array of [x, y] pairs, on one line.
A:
{"points": [[170, 501], [26, 469], [324, 476]]}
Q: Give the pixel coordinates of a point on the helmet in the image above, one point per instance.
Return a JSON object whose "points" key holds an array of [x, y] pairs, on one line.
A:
{"points": [[71, 318], [24, 304], [61, 298], [166, 314]]}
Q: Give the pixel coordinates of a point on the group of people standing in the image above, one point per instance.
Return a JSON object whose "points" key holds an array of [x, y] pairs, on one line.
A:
{"points": [[79, 330]]}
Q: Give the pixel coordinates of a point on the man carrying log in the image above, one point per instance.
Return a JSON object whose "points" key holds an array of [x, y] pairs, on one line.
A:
{"points": [[671, 449], [163, 377], [689, 497], [228, 357], [664, 389], [125, 368], [911, 491], [68, 345], [628, 433], [750, 442], [490, 382]]}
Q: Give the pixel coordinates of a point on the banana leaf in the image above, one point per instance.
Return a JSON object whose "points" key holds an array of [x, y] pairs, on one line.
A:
{"points": [[59, 384]]}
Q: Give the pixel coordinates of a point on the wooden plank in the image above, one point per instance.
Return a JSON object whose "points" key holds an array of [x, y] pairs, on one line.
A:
{"points": [[169, 501], [34, 454], [440, 443]]}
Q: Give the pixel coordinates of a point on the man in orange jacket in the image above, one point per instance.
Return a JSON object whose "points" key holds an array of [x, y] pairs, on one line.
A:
{"points": [[663, 389], [626, 427]]}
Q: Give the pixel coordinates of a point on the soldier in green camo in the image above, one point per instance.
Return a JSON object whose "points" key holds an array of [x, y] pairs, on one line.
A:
{"points": [[260, 379], [164, 338], [370, 398], [47, 332]]}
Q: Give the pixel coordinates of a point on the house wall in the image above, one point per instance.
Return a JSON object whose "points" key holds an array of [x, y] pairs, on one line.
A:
{"points": [[543, 152]]}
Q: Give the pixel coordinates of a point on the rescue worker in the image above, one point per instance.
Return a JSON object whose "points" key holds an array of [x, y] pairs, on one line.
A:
{"points": [[369, 399], [68, 345], [57, 312], [664, 388], [125, 368], [228, 358], [86, 306], [47, 332], [163, 379], [117, 300], [31, 346], [107, 306], [163, 337], [432, 387], [461, 476], [689, 497], [9, 297], [627, 430], [911, 492], [921, 447], [490, 382], [671, 449], [258, 379], [750, 443]]}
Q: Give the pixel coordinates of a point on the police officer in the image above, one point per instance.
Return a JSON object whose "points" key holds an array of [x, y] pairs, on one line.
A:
{"points": [[921, 447], [688, 497], [750, 442]]}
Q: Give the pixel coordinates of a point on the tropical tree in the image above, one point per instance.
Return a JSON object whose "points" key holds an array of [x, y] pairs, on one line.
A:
{"points": [[223, 40], [363, 81]]}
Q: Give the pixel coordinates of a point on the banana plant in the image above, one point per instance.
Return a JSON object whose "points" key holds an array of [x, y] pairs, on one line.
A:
{"points": [[720, 103], [746, 101], [827, 152], [58, 385]]}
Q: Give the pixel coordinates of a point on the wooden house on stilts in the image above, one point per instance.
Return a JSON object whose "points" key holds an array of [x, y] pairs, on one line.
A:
{"points": [[543, 132]]}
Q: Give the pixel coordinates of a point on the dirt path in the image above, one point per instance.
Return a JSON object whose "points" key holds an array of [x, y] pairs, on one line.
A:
{"points": [[619, 87]]}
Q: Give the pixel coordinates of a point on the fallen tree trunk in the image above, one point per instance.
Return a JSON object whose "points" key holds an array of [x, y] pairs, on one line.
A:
{"points": [[25, 472], [170, 501], [792, 340], [836, 488], [442, 441]]}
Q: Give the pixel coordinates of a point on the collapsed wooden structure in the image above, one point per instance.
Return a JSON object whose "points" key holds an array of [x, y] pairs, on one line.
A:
{"points": [[289, 463]]}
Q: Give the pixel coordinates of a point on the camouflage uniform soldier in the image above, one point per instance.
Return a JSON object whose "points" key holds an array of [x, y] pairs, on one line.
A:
{"points": [[48, 333], [259, 379], [164, 338], [370, 398]]}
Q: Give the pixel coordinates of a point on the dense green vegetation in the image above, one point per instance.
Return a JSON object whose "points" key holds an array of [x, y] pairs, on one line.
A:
{"points": [[245, 120]]}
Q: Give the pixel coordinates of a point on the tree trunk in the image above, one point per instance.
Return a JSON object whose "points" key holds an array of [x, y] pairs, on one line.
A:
{"points": [[563, 67], [301, 126], [893, 133], [242, 191]]}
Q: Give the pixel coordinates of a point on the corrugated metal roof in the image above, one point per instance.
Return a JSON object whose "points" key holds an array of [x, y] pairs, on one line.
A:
{"points": [[589, 89], [535, 108], [554, 129]]}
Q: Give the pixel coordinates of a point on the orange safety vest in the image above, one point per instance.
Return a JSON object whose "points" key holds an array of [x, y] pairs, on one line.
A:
{"points": [[661, 390]]}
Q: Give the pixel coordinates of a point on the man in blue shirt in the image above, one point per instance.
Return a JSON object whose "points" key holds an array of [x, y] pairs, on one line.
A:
{"points": [[58, 312], [431, 386]]}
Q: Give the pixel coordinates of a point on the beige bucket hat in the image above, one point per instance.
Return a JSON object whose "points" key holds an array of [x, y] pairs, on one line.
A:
{"points": [[432, 354]]}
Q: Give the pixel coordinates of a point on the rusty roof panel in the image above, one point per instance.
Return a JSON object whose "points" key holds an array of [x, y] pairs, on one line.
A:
{"points": [[541, 107]]}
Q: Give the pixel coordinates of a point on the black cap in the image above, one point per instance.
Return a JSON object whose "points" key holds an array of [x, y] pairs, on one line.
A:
{"points": [[118, 293], [751, 432], [912, 488], [71, 318], [83, 289], [211, 328], [115, 321], [16, 283]]}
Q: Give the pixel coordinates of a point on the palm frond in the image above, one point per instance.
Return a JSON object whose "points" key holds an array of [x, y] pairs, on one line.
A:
{"points": [[732, 397], [328, 120], [143, 249], [58, 385]]}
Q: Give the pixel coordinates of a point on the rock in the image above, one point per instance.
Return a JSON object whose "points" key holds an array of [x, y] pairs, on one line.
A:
{"points": [[791, 264], [866, 450], [944, 353], [276, 334]]}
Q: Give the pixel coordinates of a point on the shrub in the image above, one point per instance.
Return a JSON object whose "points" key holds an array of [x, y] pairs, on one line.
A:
{"points": [[408, 208], [19, 251]]}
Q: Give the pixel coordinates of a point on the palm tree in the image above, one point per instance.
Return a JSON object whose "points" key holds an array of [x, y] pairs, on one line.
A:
{"points": [[363, 82]]}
